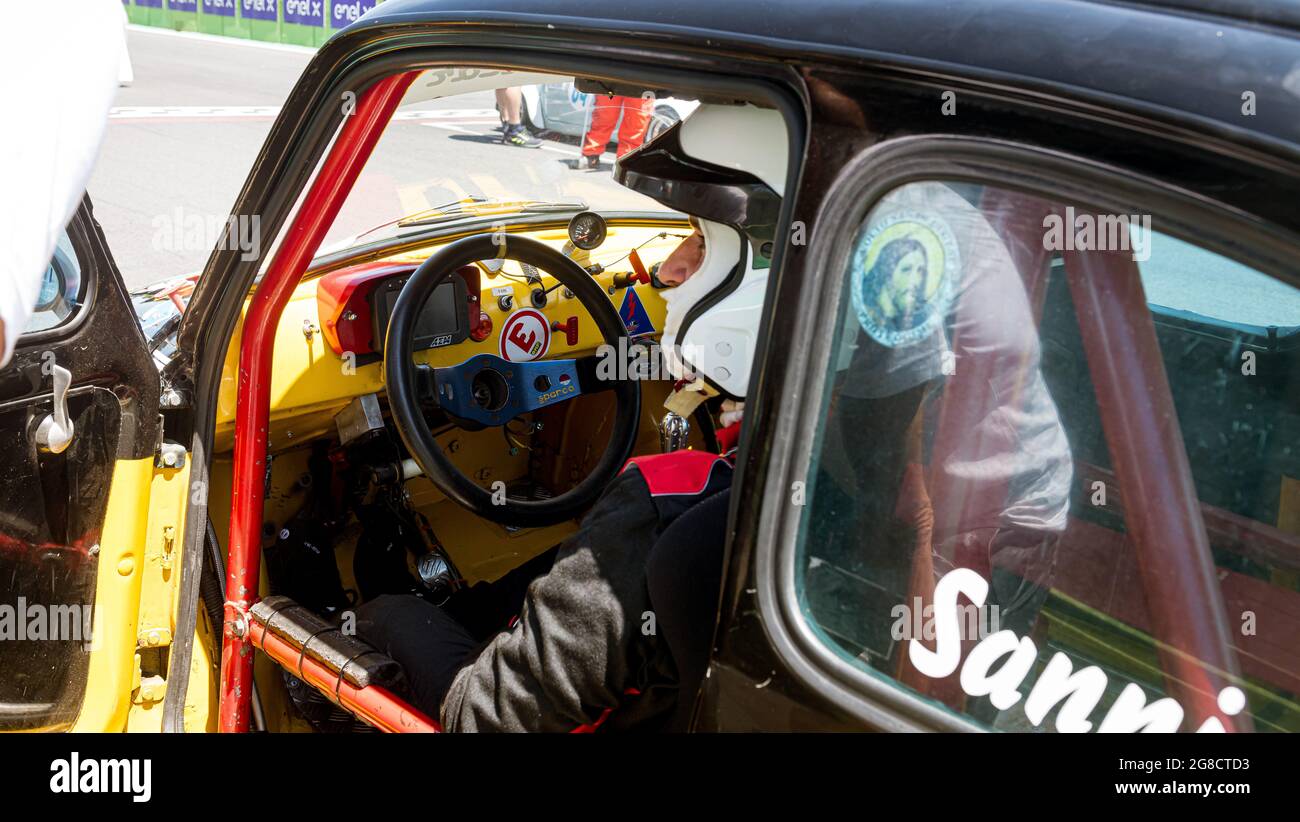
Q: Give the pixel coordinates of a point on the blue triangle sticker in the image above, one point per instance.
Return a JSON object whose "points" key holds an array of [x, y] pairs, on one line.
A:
{"points": [[635, 318]]}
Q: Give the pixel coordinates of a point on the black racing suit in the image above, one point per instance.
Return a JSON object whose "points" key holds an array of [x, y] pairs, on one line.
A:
{"points": [[583, 651]]}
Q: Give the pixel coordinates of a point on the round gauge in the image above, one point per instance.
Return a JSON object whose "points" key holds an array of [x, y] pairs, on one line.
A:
{"points": [[587, 230]]}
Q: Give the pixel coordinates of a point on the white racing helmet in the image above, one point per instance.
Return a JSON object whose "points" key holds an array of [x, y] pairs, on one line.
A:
{"points": [[726, 165]]}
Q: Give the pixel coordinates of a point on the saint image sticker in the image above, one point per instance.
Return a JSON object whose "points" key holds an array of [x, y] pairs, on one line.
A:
{"points": [[904, 269], [525, 336]]}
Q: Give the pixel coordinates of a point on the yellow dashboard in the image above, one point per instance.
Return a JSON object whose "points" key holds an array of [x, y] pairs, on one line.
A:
{"points": [[311, 383]]}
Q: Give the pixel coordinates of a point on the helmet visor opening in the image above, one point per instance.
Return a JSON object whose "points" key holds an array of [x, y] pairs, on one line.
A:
{"points": [[663, 171]]}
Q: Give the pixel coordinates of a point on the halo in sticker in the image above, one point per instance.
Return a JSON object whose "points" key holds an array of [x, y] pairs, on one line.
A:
{"points": [[904, 268]]}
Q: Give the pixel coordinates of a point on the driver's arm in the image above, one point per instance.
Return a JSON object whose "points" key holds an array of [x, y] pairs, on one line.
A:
{"points": [[568, 657]]}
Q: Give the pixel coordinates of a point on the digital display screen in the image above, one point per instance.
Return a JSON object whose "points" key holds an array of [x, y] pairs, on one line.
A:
{"points": [[442, 320]]}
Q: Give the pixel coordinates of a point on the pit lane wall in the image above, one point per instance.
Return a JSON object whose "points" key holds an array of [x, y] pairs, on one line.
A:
{"points": [[300, 22]]}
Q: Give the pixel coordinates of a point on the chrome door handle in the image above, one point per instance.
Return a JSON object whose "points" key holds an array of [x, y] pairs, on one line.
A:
{"points": [[54, 433]]}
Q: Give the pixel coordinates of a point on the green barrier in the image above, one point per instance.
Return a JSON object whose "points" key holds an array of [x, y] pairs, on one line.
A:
{"points": [[300, 22]]}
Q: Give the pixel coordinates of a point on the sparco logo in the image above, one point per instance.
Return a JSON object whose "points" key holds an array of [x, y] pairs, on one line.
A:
{"points": [[77, 775]]}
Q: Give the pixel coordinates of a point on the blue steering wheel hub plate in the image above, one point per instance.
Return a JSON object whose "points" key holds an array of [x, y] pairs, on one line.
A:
{"points": [[490, 390]]}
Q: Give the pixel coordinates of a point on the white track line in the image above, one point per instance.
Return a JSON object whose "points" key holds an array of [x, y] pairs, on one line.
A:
{"points": [[191, 112], [454, 113], [567, 152], [450, 127], [468, 115]]}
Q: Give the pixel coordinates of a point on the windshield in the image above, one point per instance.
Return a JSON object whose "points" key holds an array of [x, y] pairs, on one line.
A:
{"points": [[473, 142], [469, 143]]}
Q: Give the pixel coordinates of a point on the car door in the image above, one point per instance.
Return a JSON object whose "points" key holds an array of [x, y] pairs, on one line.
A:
{"points": [[1041, 388], [80, 425]]}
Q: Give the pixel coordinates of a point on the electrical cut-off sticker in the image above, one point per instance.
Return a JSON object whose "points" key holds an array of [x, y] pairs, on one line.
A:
{"points": [[635, 318], [905, 268], [525, 336]]}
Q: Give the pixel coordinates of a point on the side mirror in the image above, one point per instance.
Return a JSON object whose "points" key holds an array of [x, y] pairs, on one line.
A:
{"points": [[53, 285]]}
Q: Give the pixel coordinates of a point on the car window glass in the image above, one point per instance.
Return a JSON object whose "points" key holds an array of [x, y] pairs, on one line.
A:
{"points": [[1056, 482], [61, 290], [1179, 277]]}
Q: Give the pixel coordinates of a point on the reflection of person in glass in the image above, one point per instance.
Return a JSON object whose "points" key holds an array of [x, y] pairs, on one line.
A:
{"points": [[897, 282], [945, 442]]}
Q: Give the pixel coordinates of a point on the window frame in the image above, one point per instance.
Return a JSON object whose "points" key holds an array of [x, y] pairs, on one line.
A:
{"points": [[876, 698], [302, 136], [89, 265]]}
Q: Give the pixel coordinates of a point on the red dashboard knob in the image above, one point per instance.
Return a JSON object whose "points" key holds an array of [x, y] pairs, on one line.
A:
{"points": [[570, 329]]}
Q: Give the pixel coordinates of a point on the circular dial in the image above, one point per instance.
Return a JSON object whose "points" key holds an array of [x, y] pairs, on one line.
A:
{"points": [[587, 230]]}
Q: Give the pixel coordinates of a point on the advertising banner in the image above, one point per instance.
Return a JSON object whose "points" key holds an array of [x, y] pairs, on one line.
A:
{"points": [[345, 12], [302, 22], [304, 12], [222, 8], [258, 10]]}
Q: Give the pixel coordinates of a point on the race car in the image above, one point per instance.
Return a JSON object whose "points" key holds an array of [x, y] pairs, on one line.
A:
{"points": [[564, 109], [1020, 448]]}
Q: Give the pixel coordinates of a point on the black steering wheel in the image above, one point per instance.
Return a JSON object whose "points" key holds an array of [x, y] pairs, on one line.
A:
{"points": [[488, 390]]}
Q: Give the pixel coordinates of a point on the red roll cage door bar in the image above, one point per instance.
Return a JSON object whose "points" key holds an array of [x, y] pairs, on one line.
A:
{"points": [[1140, 424], [325, 196]]}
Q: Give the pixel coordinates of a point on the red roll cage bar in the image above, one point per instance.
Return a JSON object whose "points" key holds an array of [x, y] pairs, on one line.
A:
{"points": [[325, 196]]}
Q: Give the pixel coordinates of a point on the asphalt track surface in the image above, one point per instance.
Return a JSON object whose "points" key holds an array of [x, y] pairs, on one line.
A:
{"points": [[182, 138]]}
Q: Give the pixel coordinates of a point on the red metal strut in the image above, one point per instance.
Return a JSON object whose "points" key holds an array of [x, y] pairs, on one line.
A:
{"points": [[377, 706], [1163, 517], [347, 156]]}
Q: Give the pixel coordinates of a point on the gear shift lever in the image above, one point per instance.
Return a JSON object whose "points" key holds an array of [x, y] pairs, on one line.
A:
{"points": [[674, 432]]}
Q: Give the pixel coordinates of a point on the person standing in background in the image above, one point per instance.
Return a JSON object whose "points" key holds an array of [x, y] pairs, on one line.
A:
{"points": [[510, 102], [636, 113]]}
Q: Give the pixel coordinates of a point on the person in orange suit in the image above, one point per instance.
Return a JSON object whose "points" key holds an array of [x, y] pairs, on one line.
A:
{"points": [[636, 113]]}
